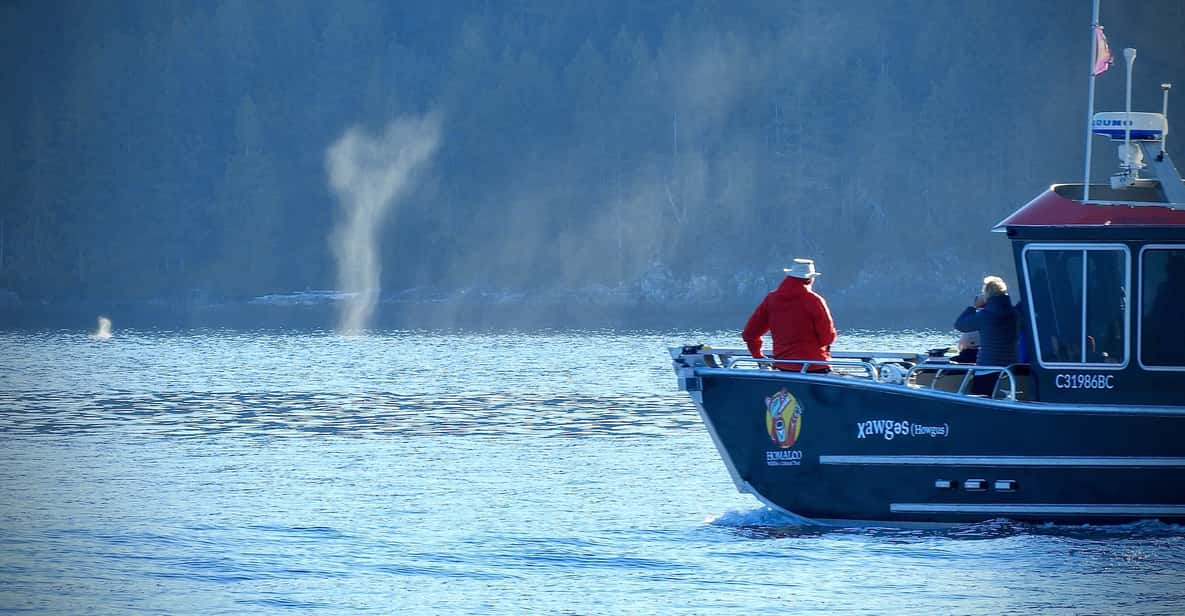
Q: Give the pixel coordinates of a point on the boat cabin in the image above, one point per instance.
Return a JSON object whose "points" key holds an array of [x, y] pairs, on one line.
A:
{"points": [[1102, 284]]}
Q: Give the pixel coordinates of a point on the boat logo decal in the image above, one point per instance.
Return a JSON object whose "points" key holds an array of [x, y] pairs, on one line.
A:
{"points": [[889, 429], [783, 418]]}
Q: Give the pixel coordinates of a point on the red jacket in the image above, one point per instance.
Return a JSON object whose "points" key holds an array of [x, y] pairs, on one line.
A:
{"points": [[799, 321]]}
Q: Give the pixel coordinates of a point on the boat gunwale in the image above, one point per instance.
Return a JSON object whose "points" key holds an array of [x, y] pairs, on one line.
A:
{"points": [[913, 390]]}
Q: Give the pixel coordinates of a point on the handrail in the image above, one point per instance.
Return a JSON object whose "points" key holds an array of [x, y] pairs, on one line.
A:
{"points": [[872, 356], [872, 368], [864, 355], [869, 367], [968, 371]]}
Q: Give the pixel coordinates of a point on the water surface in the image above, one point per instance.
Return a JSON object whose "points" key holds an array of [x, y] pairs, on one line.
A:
{"points": [[223, 471]]}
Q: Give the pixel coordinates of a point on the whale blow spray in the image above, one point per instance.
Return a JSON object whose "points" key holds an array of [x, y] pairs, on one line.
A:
{"points": [[104, 330], [369, 173]]}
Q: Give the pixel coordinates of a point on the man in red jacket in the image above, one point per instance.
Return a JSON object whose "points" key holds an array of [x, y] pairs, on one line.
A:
{"points": [[797, 317]]}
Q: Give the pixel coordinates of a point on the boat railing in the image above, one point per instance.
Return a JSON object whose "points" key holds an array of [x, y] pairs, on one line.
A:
{"points": [[845, 367], [908, 369], [968, 371], [883, 366]]}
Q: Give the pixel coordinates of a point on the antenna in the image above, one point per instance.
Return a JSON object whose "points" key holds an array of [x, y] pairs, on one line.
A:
{"points": [[1165, 87], [1129, 54]]}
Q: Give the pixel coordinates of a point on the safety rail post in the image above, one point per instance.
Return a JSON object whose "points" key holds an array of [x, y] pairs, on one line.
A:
{"points": [[968, 371]]}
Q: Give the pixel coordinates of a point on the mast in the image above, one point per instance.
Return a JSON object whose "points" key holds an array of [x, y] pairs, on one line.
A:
{"points": [[1094, 49]]}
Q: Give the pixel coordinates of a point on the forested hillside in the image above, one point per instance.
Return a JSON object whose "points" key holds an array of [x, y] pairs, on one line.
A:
{"points": [[660, 149]]}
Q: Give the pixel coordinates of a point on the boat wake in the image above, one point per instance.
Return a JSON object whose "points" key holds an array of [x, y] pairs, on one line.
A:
{"points": [[768, 523], [762, 517], [1144, 529]]}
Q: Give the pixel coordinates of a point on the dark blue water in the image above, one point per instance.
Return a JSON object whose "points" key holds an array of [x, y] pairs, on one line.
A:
{"points": [[453, 472]]}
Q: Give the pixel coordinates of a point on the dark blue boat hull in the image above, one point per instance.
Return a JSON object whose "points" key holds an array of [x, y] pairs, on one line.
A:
{"points": [[862, 450]]}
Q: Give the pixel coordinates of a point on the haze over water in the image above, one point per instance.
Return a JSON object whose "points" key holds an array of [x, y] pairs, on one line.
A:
{"points": [[221, 471]]}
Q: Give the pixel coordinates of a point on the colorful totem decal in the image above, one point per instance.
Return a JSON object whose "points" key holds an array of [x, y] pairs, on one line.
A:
{"points": [[783, 418]]}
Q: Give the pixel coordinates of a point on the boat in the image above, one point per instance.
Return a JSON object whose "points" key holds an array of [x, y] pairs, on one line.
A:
{"points": [[1090, 431]]}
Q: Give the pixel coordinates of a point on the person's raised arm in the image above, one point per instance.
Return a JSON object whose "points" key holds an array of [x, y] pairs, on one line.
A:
{"points": [[968, 321]]}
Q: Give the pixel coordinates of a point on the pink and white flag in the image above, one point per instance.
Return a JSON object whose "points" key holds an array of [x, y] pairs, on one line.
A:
{"points": [[1102, 54]]}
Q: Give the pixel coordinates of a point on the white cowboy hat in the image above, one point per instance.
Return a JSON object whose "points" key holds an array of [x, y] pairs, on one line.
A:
{"points": [[802, 268]]}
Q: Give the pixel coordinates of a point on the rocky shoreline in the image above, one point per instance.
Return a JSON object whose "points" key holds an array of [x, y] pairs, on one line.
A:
{"points": [[483, 308]]}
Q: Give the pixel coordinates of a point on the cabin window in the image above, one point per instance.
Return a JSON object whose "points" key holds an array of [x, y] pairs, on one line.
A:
{"points": [[1078, 297], [1162, 332]]}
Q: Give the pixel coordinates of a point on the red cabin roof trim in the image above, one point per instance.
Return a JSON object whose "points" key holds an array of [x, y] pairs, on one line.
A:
{"points": [[1050, 209]]}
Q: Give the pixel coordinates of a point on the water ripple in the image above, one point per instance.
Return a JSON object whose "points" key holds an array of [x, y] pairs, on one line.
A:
{"points": [[294, 415], [437, 472]]}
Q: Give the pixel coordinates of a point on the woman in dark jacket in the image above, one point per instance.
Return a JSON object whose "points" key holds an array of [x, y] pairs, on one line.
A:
{"points": [[995, 319]]}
